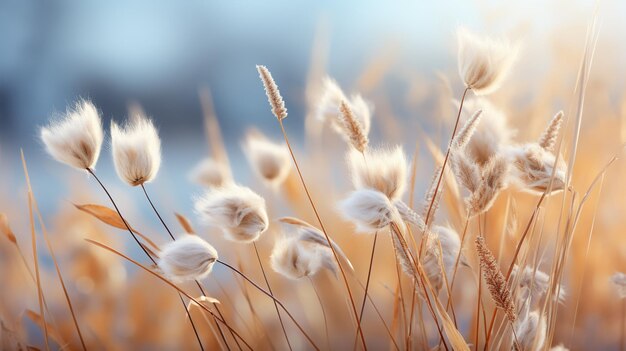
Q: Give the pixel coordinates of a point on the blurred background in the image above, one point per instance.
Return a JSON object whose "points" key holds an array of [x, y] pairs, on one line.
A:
{"points": [[400, 55]]}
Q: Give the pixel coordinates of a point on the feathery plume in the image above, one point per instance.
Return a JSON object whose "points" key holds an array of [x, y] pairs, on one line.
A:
{"points": [[210, 173], [308, 233], [495, 280], [533, 168], [402, 252], [549, 136], [483, 62], [369, 210], [536, 281], [491, 135], [75, 139], [236, 209], [531, 331], [493, 180], [328, 107], [272, 92], [296, 259], [450, 247], [352, 128], [465, 134], [619, 280], [271, 161], [136, 150], [408, 215], [428, 198], [466, 172], [188, 258], [385, 170]]}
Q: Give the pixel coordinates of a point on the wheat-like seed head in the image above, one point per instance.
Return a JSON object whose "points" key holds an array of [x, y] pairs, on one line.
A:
{"points": [[328, 107], [464, 135], [352, 128], [549, 136], [493, 180], [272, 92], [495, 280], [466, 172]]}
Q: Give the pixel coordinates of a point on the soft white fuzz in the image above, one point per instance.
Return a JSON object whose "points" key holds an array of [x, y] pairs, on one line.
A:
{"points": [[328, 107], [533, 168], [619, 280], [483, 62], [188, 258], [75, 139], [210, 173], [369, 210], [536, 281], [383, 169], [239, 211], [491, 135], [270, 161], [295, 258], [450, 246], [136, 149], [530, 329]]}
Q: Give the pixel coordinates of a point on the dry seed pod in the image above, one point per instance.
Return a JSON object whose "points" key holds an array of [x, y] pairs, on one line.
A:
{"points": [[272, 92], [352, 128]]}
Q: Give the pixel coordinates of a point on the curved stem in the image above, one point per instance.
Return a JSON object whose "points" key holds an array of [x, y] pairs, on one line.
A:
{"points": [[293, 319], [197, 283], [143, 248], [445, 162], [332, 248], [280, 319]]}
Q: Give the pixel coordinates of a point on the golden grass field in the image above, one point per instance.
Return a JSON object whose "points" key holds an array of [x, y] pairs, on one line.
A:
{"points": [[558, 210]]}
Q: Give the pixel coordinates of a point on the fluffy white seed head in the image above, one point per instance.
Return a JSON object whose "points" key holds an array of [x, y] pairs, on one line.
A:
{"points": [[483, 62], [236, 209], [383, 169], [533, 167], [369, 210], [328, 107], [619, 280], [536, 281], [75, 139], [210, 173], [450, 246], [559, 347], [271, 161], [531, 331], [188, 258], [295, 258], [491, 135], [136, 149]]}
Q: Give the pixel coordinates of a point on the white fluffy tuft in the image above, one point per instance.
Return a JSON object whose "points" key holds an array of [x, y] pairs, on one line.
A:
{"points": [[271, 161], [188, 258], [239, 211], [76, 139], [369, 210], [136, 149], [381, 169]]}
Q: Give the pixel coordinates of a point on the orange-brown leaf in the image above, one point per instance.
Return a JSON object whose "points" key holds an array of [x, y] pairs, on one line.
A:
{"points": [[6, 229], [185, 223]]}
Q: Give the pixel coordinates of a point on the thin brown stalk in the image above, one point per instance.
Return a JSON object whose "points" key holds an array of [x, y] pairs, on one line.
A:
{"points": [[36, 261], [445, 161], [319, 299], [269, 288], [200, 304], [33, 203], [279, 110], [341, 269], [258, 287]]}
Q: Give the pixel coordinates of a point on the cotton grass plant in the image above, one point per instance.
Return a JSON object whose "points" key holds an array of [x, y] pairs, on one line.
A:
{"points": [[481, 262]]}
